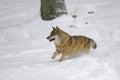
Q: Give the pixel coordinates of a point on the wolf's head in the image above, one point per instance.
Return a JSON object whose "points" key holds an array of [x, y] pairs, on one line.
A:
{"points": [[54, 34]]}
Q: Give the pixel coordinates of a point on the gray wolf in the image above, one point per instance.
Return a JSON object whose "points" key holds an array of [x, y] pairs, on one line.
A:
{"points": [[66, 44]]}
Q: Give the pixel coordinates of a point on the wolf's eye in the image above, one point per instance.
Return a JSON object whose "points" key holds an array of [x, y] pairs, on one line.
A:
{"points": [[53, 33]]}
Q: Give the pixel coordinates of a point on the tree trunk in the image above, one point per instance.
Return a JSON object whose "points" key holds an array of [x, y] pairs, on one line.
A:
{"points": [[51, 9]]}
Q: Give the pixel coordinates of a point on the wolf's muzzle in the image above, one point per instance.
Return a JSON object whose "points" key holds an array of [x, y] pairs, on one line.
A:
{"points": [[50, 39]]}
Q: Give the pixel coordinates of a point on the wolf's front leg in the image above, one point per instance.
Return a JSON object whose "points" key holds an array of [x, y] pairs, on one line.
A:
{"points": [[55, 54], [62, 57]]}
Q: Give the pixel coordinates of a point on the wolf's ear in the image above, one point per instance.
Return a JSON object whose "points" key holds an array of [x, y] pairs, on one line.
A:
{"points": [[57, 28], [53, 28]]}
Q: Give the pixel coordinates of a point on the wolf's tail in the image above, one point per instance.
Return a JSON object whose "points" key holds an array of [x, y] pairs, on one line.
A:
{"points": [[93, 44]]}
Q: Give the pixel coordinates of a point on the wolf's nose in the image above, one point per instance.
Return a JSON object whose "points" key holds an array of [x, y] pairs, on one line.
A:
{"points": [[47, 37]]}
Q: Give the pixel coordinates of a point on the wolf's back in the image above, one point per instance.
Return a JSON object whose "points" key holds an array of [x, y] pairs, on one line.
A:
{"points": [[93, 44]]}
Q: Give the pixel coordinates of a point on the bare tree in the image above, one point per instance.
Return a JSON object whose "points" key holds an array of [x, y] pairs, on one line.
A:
{"points": [[51, 9]]}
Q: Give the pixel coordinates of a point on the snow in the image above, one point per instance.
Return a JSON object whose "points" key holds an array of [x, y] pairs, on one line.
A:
{"points": [[25, 53]]}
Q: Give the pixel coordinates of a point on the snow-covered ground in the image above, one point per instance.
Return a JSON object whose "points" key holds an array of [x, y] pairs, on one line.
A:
{"points": [[25, 53]]}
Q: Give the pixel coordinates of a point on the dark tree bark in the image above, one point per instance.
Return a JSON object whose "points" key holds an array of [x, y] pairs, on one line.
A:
{"points": [[51, 9]]}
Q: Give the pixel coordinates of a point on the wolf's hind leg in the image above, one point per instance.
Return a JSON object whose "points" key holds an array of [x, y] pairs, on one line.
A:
{"points": [[55, 54]]}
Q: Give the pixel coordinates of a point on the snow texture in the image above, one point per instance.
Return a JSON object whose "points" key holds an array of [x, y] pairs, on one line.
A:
{"points": [[25, 53]]}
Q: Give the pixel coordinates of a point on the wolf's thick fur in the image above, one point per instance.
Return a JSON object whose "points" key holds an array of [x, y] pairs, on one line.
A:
{"points": [[69, 45]]}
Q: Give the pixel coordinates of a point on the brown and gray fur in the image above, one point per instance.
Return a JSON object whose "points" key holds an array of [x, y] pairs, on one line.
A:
{"points": [[69, 45]]}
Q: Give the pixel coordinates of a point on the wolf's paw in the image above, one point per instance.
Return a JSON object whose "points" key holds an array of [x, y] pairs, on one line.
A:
{"points": [[60, 60], [53, 57]]}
